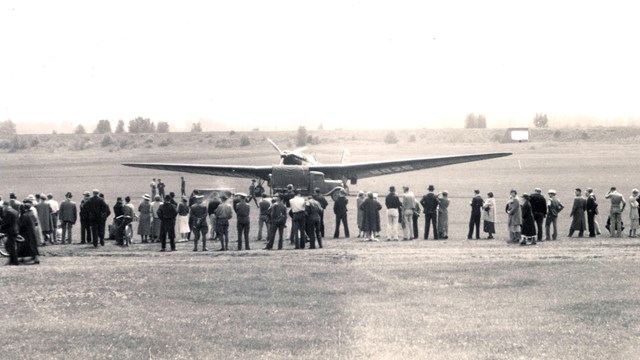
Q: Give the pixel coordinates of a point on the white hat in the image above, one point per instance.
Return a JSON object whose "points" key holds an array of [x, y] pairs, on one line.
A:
{"points": [[146, 197]]}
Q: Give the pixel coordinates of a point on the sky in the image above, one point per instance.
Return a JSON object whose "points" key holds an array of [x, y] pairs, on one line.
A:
{"points": [[343, 64]]}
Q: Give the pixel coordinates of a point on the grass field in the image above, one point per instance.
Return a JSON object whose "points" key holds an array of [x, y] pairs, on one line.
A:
{"points": [[455, 299]]}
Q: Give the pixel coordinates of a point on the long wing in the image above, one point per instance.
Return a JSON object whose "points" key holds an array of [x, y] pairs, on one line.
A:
{"points": [[377, 168], [218, 170]]}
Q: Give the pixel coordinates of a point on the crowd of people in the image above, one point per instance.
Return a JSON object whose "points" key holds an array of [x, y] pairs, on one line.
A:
{"points": [[39, 220]]}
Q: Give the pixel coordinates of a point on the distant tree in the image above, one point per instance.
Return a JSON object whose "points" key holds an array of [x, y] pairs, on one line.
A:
{"points": [[80, 130], [473, 121], [140, 125], [320, 127], [163, 127], [103, 127], [196, 127], [120, 127], [390, 138], [301, 138], [7, 128], [245, 141], [232, 132], [541, 121], [412, 138]]}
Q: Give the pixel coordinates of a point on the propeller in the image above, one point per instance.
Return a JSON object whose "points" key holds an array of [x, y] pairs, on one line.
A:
{"points": [[295, 157]]}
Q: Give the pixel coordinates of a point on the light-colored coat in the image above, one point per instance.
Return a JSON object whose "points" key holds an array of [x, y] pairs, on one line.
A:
{"points": [[490, 210]]}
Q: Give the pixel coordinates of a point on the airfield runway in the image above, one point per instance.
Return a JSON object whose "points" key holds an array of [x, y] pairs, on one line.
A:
{"points": [[454, 299]]}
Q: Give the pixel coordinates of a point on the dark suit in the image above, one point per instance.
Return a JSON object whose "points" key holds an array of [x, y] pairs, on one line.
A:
{"points": [[476, 210], [429, 204], [539, 208], [340, 209], [68, 215], [9, 227], [167, 214], [592, 211]]}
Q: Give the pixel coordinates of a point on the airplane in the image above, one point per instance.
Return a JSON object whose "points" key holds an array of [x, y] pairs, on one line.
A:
{"points": [[305, 173]]}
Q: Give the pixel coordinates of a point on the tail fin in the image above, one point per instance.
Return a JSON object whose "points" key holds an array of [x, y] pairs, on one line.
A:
{"points": [[346, 156]]}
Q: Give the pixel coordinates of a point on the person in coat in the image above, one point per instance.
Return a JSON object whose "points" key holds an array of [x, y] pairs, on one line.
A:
{"points": [[243, 224], [278, 219], [312, 210], [554, 206], [539, 208], [223, 214], [578, 222], [167, 214], [44, 218], [67, 215], [85, 226], [198, 222], [370, 209], [592, 212], [393, 205], [443, 215], [528, 221], [429, 204], [489, 215], [317, 196], [28, 225], [359, 214], [340, 210], [9, 226], [144, 222], [476, 204], [633, 214], [515, 217]]}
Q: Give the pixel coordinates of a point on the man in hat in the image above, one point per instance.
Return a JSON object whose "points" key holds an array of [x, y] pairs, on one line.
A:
{"points": [[14, 202], [44, 218], [68, 215], [278, 219], [198, 223], [183, 186], [592, 212], [393, 204], [515, 217], [167, 214], [539, 208], [577, 214], [617, 207], [476, 212], [223, 214], [298, 220], [160, 189], [340, 210], [9, 227], [317, 196], [55, 208], [243, 211], [252, 192], [554, 206], [95, 207], [264, 206], [408, 207], [211, 210], [85, 227], [429, 204]]}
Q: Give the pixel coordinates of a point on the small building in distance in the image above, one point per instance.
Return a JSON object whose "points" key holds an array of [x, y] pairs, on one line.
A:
{"points": [[516, 135]]}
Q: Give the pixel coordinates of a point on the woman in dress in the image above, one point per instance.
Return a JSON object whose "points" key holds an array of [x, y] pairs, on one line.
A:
{"points": [[183, 219], [361, 198], [28, 230], [155, 222], [528, 222], [634, 219], [144, 225], [443, 216], [489, 210], [370, 209]]}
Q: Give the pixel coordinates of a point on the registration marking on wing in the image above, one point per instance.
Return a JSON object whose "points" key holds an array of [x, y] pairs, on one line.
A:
{"points": [[391, 170]]}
